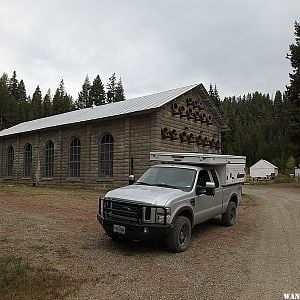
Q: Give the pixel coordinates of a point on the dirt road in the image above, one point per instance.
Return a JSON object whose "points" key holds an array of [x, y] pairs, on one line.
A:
{"points": [[258, 258], [274, 253]]}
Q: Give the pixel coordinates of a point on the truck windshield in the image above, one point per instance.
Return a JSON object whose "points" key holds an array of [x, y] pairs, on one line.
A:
{"points": [[176, 178]]}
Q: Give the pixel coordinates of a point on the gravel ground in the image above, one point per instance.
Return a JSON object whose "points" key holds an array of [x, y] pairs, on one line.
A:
{"points": [[258, 258]]}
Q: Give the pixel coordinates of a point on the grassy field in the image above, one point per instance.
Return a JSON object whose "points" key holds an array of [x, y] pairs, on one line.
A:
{"points": [[19, 279], [26, 251]]}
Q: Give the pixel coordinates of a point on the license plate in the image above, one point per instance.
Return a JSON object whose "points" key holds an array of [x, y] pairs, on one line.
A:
{"points": [[119, 229]]}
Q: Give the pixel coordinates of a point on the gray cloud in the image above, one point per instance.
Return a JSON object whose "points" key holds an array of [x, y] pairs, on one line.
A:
{"points": [[153, 45]]}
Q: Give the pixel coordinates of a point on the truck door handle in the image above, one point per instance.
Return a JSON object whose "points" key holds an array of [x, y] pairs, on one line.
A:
{"points": [[193, 201]]}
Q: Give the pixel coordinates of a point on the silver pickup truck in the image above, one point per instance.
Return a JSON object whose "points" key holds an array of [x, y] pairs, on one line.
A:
{"points": [[169, 199]]}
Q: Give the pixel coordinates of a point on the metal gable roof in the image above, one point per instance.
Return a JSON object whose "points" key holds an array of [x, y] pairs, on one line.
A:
{"points": [[138, 104]]}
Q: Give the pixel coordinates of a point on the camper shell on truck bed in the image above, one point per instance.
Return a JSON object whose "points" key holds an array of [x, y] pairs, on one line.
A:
{"points": [[231, 168]]}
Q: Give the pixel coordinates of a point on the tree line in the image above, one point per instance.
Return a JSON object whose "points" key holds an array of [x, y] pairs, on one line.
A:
{"points": [[264, 127], [16, 106], [257, 127]]}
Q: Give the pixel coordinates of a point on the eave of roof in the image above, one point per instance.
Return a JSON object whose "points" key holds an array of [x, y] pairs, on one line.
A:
{"points": [[265, 162]]}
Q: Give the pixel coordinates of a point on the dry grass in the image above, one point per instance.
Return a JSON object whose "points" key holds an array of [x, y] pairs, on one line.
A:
{"points": [[11, 189], [39, 226], [52, 247], [20, 280], [248, 200]]}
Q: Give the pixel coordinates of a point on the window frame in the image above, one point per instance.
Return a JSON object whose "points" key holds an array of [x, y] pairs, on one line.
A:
{"points": [[9, 161], [49, 159], [106, 156], [27, 160], [200, 176], [74, 157], [215, 178]]}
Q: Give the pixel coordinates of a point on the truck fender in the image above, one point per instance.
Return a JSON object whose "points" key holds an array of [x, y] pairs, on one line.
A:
{"points": [[233, 197], [186, 211]]}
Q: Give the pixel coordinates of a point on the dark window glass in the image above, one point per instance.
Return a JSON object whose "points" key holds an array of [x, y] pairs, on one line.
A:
{"points": [[177, 178], [27, 160], [9, 160], [203, 177], [215, 177], [74, 161], [106, 151], [49, 159]]}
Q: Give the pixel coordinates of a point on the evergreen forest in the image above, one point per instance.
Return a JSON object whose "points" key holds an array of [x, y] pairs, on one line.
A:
{"points": [[258, 125], [17, 106]]}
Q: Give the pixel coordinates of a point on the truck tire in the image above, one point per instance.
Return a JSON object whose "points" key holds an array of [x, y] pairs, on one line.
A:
{"points": [[229, 216], [179, 237]]}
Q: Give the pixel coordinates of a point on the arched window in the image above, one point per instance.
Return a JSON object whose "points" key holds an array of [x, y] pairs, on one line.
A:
{"points": [[49, 159], [74, 158], [9, 160], [106, 152], [27, 160]]}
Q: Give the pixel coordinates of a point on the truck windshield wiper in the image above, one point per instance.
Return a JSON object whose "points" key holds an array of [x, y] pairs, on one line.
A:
{"points": [[166, 185], [143, 183]]}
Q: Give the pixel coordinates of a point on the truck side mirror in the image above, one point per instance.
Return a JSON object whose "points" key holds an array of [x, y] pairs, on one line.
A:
{"points": [[210, 188], [131, 179]]}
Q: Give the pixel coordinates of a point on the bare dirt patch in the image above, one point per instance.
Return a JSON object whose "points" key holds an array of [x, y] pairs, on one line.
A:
{"points": [[55, 232]]}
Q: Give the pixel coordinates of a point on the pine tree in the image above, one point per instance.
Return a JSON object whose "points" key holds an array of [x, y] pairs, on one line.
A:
{"points": [[278, 99], [29, 111], [57, 105], [83, 100], [4, 101], [97, 92], [22, 91], [290, 164], [11, 113], [23, 105], [293, 92], [217, 99], [119, 96], [47, 105], [214, 95], [13, 86], [111, 88], [279, 123], [36, 104], [211, 91], [68, 103], [61, 101]]}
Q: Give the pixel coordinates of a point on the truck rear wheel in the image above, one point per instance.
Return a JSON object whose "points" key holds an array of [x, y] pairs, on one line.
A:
{"points": [[179, 237], [229, 216]]}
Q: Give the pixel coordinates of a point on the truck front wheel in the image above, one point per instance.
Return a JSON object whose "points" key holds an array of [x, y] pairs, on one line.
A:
{"points": [[179, 237], [229, 216]]}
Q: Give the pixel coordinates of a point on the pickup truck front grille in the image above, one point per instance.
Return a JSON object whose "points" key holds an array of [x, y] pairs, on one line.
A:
{"points": [[122, 211]]}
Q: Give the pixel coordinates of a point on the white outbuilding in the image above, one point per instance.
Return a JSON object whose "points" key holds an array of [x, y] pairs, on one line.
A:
{"points": [[263, 169]]}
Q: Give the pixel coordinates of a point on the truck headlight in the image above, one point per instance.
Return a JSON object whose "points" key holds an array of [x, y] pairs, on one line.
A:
{"points": [[162, 215], [101, 204]]}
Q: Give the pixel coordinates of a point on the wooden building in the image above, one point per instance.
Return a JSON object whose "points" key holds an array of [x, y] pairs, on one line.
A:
{"points": [[263, 169], [102, 145]]}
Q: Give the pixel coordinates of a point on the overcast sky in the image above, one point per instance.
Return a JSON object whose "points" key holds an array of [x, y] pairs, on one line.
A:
{"points": [[153, 45]]}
